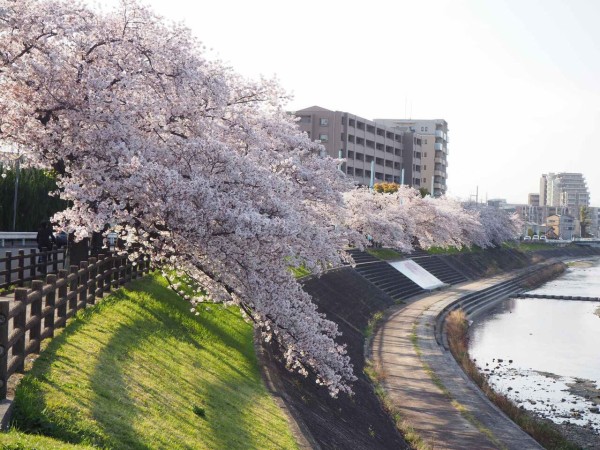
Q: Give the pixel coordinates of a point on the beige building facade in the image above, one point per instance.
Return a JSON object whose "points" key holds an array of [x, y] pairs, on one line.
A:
{"points": [[434, 150], [371, 150], [412, 152]]}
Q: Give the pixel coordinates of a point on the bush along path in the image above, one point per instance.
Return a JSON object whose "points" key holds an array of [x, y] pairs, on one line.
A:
{"points": [[138, 370]]}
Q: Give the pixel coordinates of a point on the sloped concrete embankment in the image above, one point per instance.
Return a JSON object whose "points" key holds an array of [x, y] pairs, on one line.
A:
{"points": [[357, 422], [347, 298]]}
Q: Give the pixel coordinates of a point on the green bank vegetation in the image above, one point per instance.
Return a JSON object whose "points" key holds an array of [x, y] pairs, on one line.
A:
{"points": [[386, 254], [139, 370]]}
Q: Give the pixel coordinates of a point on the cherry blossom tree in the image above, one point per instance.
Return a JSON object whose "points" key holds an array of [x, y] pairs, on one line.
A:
{"points": [[497, 224], [404, 218], [200, 168], [196, 166]]}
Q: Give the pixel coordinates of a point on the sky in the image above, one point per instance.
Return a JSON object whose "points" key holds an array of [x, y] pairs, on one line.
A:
{"points": [[516, 80]]}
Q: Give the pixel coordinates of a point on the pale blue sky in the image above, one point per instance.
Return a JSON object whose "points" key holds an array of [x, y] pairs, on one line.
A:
{"points": [[517, 80]]}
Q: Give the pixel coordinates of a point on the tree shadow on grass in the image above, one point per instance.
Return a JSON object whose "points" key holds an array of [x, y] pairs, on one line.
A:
{"points": [[114, 401], [110, 384]]}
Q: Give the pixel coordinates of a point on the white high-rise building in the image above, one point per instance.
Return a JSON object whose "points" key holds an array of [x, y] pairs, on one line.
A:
{"points": [[567, 190]]}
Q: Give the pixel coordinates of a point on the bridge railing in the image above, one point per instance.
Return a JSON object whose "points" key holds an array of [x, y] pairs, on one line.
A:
{"points": [[20, 236], [36, 313]]}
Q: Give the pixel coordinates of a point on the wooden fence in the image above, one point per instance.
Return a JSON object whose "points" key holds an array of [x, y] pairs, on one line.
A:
{"points": [[24, 267], [36, 313]]}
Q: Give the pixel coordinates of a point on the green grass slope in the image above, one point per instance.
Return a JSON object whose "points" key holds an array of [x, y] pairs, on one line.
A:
{"points": [[140, 371]]}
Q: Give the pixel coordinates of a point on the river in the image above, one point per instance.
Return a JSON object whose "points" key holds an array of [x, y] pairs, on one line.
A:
{"points": [[545, 354]]}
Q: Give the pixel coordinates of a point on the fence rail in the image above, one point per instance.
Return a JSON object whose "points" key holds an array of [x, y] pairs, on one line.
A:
{"points": [[36, 313], [23, 267]]}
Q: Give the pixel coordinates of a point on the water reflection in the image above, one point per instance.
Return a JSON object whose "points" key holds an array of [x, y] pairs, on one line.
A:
{"points": [[540, 351]]}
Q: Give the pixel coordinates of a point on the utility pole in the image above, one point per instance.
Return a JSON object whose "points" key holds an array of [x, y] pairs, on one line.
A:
{"points": [[16, 196]]}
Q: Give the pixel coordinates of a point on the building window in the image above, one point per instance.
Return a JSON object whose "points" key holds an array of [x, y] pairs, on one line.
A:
{"points": [[323, 137], [422, 129], [424, 154], [305, 119], [324, 122], [424, 141], [351, 122], [425, 180], [425, 128], [424, 167]]}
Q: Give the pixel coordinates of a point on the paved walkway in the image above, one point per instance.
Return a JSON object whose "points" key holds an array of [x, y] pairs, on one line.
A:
{"points": [[423, 404]]}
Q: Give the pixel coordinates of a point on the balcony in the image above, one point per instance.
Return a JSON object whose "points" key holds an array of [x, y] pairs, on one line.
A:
{"points": [[439, 173], [438, 146], [439, 133]]}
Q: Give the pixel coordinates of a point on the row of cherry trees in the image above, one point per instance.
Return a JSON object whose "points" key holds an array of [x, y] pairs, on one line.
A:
{"points": [[200, 168]]}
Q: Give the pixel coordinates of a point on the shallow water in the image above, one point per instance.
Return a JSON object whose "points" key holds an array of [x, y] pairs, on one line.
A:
{"points": [[544, 346]]}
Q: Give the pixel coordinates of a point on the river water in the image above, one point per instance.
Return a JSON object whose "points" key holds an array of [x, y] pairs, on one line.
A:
{"points": [[545, 354]]}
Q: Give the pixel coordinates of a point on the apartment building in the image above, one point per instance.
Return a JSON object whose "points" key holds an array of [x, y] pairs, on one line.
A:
{"points": [[533, 199], [562, 225], [434, 149], [567, 190], [371, 150]]}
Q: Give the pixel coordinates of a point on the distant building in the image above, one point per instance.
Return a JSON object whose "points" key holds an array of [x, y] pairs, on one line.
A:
{"points": [[562, 225], [566, 190], [497, 202], [434, 149], [533, 199], [394, 153]]}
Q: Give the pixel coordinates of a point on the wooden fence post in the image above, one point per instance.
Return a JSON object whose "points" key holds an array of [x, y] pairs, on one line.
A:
{"points": [[32, 263], [123, 270], [36, 311], [107, 274], [4, 314], [61, 314], [83, 279], [8, 266], [93, 271], [116, 271], [21, 266], [54, 253], [19, 322], [100, 276], [50, 302], [73, 288]]}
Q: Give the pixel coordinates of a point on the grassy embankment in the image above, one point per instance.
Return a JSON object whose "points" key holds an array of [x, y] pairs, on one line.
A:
{"points": [[385, 254], [138, 370], [543, 432]]}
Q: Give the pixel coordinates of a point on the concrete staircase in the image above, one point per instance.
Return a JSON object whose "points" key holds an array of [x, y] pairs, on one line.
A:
{"points": [[384, 276], [440, 269]]}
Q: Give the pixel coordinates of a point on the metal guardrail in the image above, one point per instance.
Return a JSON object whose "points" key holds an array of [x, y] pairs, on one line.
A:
{"points": [[21, 236]]}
